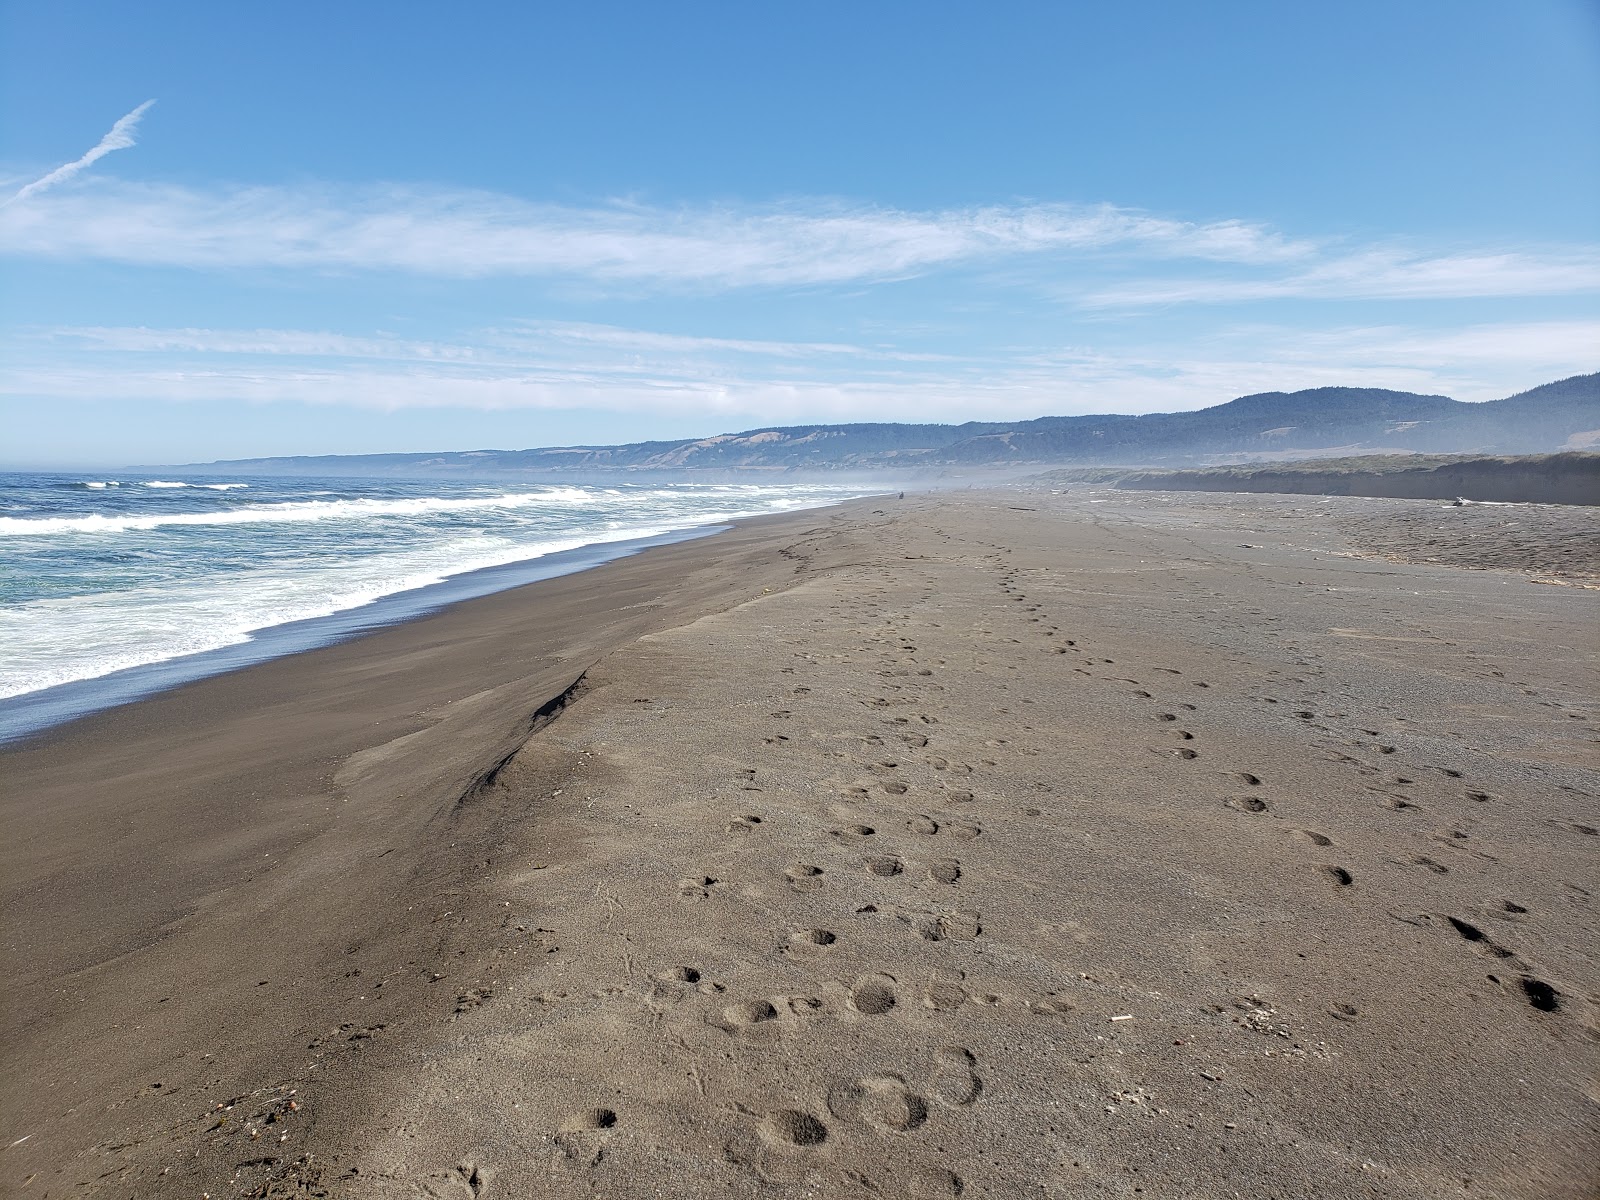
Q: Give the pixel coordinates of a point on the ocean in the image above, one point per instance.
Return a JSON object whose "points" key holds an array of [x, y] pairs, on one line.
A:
{"points": [[105, 577]]}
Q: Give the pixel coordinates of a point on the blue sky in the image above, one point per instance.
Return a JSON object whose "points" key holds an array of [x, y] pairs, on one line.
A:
{"points": [[371, 227]]}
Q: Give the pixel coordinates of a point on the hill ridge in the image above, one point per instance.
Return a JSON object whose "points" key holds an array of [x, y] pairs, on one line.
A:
{"points": [[1561, 415]]}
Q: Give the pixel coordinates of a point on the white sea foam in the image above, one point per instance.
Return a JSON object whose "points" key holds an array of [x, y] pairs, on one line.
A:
{"points": [[50, 642], [301, 559], [294, 510]]}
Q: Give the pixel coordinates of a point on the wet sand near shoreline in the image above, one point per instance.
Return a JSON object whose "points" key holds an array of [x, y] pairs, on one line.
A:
{"points": [[987, 844]]}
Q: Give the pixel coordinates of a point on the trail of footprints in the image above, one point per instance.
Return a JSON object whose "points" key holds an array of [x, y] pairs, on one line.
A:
{"points": [[891, 852], [1539, 994], [887, 1103]]}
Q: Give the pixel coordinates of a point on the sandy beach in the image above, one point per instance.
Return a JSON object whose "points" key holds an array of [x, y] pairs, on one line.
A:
{"points": [[1013, 843]]}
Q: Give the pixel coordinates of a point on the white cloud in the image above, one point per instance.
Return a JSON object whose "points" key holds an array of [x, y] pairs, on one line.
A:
{"points": [[1099, 256], [612, 336], [475, 234], [514, 343], [120, 137], [1380, 275], [276, 342], [1560, 348]]}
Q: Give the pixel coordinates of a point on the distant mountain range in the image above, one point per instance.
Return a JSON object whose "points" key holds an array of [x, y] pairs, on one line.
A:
{"points": [[1564, 415]]}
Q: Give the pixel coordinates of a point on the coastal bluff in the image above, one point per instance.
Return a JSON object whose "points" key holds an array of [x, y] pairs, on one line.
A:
{"points": [[1571, 478]]}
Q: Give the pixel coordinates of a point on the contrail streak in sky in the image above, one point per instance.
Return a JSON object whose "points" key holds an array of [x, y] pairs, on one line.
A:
{"points": [[119, 138]]}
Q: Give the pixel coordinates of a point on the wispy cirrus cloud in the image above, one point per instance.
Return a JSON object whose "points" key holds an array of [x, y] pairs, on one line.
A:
{"points": [[1095, 256], [536, 338], [614, 337], [478, 235], [1379, 274], [119, 137], [296, 343]]}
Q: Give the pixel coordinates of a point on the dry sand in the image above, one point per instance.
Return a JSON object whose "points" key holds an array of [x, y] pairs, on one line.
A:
{"points": [[1000, 844]]}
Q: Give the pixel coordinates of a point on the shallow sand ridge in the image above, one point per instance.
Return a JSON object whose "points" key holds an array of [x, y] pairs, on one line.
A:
{"points": [[1002, 844]]}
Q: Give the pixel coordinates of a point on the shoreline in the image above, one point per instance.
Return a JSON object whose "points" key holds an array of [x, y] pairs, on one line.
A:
{"points": [[171, 854], [32, 713], [958, 846]]}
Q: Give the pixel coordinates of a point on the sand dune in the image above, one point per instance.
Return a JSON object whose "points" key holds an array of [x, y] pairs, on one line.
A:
{"points": [[1000, 844]]}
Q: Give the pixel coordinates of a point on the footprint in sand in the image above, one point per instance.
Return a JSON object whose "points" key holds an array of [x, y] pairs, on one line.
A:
{"points": [[1540, 994], [792, 1127], [881, 1101], [946, 870], [813, 937], [804, 877], [936, 1184], [699, 887], [590, 1119], [1249, 804], [885, 866], [955, 1076], [747, 1014], [853, 832], [960, 926], [873, 995], [1471, 933], [467, 1182], [944, 995]]}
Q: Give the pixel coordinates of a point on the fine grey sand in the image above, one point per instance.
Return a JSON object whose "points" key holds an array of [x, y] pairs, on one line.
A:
{"points": [[996, 844]]}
